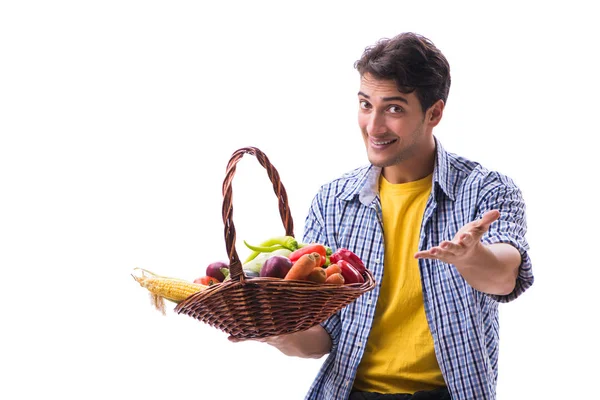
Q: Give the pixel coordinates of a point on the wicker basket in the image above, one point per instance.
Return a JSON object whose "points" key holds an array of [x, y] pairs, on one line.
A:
{"points": [[249, 308]]}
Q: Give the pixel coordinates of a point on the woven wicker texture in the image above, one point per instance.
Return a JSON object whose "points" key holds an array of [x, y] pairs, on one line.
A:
{"points": [[249, 308]]}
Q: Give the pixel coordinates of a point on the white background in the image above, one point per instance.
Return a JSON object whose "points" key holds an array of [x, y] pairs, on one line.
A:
{"points": [[117, 119]]}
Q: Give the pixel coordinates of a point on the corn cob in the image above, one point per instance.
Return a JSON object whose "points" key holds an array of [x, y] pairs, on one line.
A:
{"points": [[162, 287]]}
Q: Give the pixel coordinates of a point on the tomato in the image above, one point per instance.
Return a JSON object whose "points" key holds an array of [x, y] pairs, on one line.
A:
{"points": [[207, 280]]}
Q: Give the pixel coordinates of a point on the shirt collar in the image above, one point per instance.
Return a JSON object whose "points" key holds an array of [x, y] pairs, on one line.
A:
{"points": [[442, 172], [366, 182]]}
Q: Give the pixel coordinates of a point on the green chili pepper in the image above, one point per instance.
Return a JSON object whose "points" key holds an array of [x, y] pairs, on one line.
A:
{"points": [[275, 243], [264, 249]]}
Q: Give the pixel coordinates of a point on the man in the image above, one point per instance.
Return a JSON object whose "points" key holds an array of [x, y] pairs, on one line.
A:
{"points": [[443, 236]]}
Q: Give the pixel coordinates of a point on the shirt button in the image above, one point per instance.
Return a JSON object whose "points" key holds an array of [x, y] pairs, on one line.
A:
{"points": [[369, 301], [377, 260], [359, 344]]}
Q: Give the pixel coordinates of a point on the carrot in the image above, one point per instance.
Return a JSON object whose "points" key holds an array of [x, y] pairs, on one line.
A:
{"points": [[303, 267], [317, 275], [333, 269], [336, 279]]}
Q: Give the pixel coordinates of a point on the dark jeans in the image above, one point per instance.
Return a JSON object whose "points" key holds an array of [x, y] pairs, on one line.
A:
{"points": [[437, 394]]}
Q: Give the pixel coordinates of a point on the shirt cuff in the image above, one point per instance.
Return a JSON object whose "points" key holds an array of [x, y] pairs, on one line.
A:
{"points": [[525, 276], [333, 327]]}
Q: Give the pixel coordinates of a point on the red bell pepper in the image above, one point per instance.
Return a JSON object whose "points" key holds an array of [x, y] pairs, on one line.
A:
{"points": [[311, 248], [350, 274], [347, 255]]}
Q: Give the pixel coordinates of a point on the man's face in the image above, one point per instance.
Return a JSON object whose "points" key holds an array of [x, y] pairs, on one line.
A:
{"points": [[392, 123]]}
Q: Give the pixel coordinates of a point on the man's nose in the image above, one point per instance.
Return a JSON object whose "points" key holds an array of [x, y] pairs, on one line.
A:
{"points": [[376, 124]]}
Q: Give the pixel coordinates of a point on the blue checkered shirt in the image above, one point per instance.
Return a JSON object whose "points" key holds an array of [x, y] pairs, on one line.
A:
{"points": [[463, 321]]}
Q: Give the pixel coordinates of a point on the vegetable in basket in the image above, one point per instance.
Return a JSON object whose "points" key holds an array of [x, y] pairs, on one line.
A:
{"points": [[270, 245], [333, 269], [162, 287], [328, 250], [310, 248], [215, 270], [335, 279], [350, 274], [317, 275], [303, 267], [276, 267], [256, 264], [347, 255], [207, 280]]}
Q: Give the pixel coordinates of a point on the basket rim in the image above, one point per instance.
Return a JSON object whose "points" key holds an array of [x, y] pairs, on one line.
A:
{"points": [[283, 286]]}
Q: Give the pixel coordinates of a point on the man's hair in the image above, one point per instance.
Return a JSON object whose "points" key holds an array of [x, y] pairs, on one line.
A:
{"points": [[413, 62]]}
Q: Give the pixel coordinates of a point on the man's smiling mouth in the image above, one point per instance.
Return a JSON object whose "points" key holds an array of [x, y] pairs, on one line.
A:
{"points": [[383, 143]]}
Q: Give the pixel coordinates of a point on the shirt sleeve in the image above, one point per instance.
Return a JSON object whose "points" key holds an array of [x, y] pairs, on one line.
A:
{"points": [[503, 195], [314, 232]]}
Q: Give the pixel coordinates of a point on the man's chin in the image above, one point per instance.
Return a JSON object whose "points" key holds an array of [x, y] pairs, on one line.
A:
{"points": [[380, 164], [379, 161]]}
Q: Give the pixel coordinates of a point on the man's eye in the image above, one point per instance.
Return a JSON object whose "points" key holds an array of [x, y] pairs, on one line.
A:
{"points": [[364, 105], [395, 109]]}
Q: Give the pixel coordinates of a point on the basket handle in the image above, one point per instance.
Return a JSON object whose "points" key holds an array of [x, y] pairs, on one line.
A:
{"points": [[235, 266]]}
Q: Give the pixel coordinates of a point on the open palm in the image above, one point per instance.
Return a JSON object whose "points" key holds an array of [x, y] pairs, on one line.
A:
{"points": [[465, 244]]}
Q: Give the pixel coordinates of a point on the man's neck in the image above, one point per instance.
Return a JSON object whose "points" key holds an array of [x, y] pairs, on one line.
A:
{"points": [[410, 170]]}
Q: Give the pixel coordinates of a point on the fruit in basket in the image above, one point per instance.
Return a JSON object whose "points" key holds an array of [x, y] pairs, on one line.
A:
{"points": [[276, 267], [349, 273], [304, 266], [214, 270], [162, 287]]}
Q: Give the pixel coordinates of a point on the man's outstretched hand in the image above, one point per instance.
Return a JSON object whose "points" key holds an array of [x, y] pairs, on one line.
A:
{"points": [[490, 268], [466, 246]]}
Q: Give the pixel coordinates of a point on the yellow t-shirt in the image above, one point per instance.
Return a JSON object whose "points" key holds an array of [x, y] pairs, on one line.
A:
{"points": [[399, 355]]}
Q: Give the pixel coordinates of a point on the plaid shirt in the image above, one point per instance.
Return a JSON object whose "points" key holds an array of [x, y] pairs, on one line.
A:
{"points": [[463, 321]]}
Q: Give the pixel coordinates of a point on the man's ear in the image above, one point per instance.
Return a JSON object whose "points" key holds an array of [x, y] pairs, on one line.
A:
{"points": [[434, 113]]}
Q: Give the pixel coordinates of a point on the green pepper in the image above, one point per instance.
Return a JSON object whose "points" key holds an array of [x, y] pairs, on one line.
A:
{"points": [[275, 243], [263, 249]]}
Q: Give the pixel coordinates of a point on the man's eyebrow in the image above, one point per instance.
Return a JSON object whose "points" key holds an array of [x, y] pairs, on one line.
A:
{"points": [[392, 98], [399, 98]]}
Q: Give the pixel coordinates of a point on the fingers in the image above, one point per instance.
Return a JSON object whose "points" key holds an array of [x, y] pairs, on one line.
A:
{"points": [[424, 254], [466, 239], [487, 219], [434, 253], [233, 339], [448, 250], [450, 247]]}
